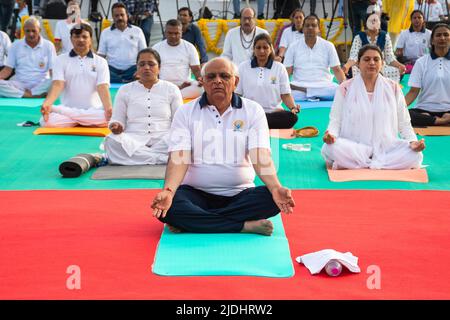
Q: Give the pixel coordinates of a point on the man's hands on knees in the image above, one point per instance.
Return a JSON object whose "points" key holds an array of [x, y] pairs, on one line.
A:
{"points": [[417, 145], [45, 110], [116, 128], [329, 138], [161, 203], [283, 198]]}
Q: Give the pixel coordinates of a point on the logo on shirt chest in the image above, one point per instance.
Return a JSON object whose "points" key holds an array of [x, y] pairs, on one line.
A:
{"points": [[273, 80], [42, 64], [238, 125], [131, 37], [93, 69]]}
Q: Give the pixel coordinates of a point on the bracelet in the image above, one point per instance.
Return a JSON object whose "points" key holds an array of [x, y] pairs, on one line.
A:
{"points": [[169, 189]]}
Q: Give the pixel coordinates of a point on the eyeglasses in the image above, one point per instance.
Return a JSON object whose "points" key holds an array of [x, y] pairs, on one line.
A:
{"points": [[222, 75]]}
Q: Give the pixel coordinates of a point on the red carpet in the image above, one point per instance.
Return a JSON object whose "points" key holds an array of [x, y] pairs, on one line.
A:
{"points": [[112, 237]]}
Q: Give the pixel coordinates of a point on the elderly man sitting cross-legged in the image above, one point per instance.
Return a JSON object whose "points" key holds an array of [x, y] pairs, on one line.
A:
{"points": [[216, 144], [32, 60]]}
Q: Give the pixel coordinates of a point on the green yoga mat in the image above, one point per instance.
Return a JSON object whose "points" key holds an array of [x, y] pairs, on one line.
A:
{"points": [[224, 254], [21, 102]]}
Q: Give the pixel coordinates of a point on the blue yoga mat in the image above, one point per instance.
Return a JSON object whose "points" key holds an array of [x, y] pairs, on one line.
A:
{"points": [[224, 254], [314, 104]]}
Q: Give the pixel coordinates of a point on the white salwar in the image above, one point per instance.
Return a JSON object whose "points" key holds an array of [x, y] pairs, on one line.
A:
{"points": [[146, 116], [367, 130]]}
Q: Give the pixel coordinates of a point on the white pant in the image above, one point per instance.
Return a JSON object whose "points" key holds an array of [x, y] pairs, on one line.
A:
{"points": [[155, 154], [323, 92], [15, 89], [65, 117], [192, 92], [347, 154]]}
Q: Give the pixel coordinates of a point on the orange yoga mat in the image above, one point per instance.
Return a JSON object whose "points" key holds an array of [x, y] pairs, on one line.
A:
{"points": [[187, 100], [411, 175], [282, 133], [433, 131], [75, 131]]}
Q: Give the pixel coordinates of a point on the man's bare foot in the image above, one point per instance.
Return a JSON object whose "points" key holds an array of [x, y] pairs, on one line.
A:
{"points": [[27, 94], [173, 229], [263, 226], [443, 121]]}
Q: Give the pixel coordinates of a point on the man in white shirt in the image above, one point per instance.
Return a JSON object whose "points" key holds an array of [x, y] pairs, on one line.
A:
{"points": [[62, 29], [82, 79], [5, 44], [227, 139], [120, 45], [310, 60], [178, 58], [32, 60], [238, 45]]}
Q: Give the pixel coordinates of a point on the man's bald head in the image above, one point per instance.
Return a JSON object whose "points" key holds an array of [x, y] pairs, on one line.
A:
{"points": [[231, 67], [248, 20]]}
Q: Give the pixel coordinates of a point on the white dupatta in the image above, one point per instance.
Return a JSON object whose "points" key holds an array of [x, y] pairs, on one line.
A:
{"points": [[373, 123]]}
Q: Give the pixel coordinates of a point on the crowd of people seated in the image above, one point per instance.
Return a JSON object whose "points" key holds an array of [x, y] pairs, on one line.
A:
{"points": [[236, 98]]}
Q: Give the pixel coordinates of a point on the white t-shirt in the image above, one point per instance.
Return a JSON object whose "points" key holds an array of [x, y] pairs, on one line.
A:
{"points": [[62, 32], [81, 77], [176, 61], [432, 12], [121, 47], [432, 76], [5, 44], [31, 64], [233, 48], [220, 144], [289, 37], [264, 85], [414, 44], [312, 66]]}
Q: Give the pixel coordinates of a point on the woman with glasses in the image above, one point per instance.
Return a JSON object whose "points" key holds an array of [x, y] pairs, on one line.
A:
{"points": [[266, 81], [143, 113]]}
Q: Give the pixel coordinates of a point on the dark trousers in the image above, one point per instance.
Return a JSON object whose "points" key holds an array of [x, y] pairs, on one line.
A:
{"points": [[358, 15], [6, 11], [419, 119], [197, 211], [281, 119], [121, 76]]}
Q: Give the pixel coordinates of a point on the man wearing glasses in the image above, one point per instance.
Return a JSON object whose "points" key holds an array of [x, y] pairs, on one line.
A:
{"points": [[238, 45], [217, 143], [82, 79]]}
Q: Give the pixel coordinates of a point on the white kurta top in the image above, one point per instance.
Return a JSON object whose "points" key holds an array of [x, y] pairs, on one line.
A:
{"points": [[62, 32], [312, 66], [233, 48], [220, 144], [263, 84], [122, 47], [145, 114], [5, 44], [176, 61], [81, 77], [289, 37]]}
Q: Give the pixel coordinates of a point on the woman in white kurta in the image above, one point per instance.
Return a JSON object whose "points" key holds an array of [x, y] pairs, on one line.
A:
{"points": [[266, 81], [368, 115], [142, 115], [291, 34]]}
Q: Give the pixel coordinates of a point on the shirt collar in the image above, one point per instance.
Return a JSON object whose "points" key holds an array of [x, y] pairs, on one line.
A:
{"points": [[434, 56], [294, 29], [72, 54], [37, 46], [114, 26], [411, 29], [254, 63], [236, 101]]}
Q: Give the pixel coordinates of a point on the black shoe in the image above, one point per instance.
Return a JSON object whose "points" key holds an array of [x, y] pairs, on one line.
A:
{"points": [[260, 16], [236, 16]]}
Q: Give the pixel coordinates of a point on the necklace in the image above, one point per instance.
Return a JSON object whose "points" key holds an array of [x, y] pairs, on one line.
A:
{"points": [[247, 44]]}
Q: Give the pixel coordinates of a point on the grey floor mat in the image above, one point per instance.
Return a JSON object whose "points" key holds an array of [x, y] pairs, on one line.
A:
{"points": [[151, 172]]}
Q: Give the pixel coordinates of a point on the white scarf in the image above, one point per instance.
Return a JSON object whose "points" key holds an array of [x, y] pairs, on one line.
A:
{"points": [[373, 123]]}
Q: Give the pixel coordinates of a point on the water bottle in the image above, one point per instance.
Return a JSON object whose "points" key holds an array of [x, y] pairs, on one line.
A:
{"points": [[333, 268], [297, 146]]}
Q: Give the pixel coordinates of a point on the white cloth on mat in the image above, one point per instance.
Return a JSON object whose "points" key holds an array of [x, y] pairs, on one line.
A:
{"points": [[316, 261]]}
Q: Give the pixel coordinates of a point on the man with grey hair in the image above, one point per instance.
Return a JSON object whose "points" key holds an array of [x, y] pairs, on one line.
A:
{"points": [[32, 59], [217, 143], [238, 45]]}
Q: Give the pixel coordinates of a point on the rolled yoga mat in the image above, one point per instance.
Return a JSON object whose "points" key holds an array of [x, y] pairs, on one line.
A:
{"points": [[224, 254], [76, 166]]}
